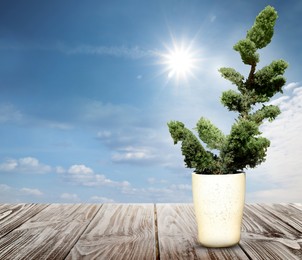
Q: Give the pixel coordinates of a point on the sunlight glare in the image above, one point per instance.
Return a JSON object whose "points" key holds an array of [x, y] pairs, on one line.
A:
{"points": [[180, 62]]}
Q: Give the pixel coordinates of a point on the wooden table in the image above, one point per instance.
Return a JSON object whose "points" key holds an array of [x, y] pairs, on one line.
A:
{"points": [[141, 231]]}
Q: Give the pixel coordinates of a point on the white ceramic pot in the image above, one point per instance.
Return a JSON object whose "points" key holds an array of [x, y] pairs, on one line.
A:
{"points": [[218, 203]]}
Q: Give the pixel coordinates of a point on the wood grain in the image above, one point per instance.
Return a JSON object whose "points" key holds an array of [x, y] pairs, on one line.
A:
{"points": [[118, 232], [14, 215], [177, 234], [288, 213], [141, 231], [48, 235], [267, 234]]}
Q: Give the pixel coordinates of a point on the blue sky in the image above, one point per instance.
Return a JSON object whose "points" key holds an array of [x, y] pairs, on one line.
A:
{"points": [[85, 97]]}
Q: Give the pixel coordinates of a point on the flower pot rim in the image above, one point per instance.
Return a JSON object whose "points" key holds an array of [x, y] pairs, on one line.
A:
{"points": [[229, 174]]}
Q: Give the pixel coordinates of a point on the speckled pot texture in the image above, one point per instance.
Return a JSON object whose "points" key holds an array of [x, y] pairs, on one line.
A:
{"points": [[218, 203]]}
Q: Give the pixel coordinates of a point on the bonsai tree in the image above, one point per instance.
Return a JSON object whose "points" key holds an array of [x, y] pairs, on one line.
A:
{"points": [[244, 147]]}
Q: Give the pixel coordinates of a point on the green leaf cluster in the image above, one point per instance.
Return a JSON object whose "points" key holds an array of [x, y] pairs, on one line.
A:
{"points": [[243, 147]]}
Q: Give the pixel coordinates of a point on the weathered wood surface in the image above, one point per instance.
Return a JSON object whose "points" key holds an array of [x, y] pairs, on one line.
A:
{"points": [[14, 215], [272, 232], [50, 234], [141, 231], [118, 232]]}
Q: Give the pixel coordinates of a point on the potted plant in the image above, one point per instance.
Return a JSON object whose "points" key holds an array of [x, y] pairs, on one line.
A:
{"points": [[218, 181]]}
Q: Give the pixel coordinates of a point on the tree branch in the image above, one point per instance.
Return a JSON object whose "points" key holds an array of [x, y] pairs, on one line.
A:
{"points": [[250, 80]]}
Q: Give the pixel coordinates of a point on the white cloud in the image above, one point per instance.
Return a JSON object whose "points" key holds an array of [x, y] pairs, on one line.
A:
{"points": [[102, 199], [153, 181], [10, 194], [130, 52], [282, 169], [115, 51], [83, 175], [279, 101], [9, 113], [34, 192], [24, 165], [181, 187], [297, 90], [29, 161], [143, 146], [69, 196], [291, 85], [128, 154], [79, 169], [8, 165]]}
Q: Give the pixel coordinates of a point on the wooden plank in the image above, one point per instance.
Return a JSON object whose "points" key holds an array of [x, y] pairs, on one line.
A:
{"points": [[36, 231], [14, 215], [48, 235], [177, 234], [289, 214], [266, 236], [118, 232]]}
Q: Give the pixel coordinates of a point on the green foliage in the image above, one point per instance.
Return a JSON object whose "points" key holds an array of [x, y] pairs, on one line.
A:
{"points": [[270, 112], [243, 147], [262, 31], [210, 134], [233, 76], [232, 100], [194, 153], [247, 50], [269, 80]]}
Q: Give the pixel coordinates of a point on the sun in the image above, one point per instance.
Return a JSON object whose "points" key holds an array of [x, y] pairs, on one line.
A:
{"points": [[180, 62]]}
